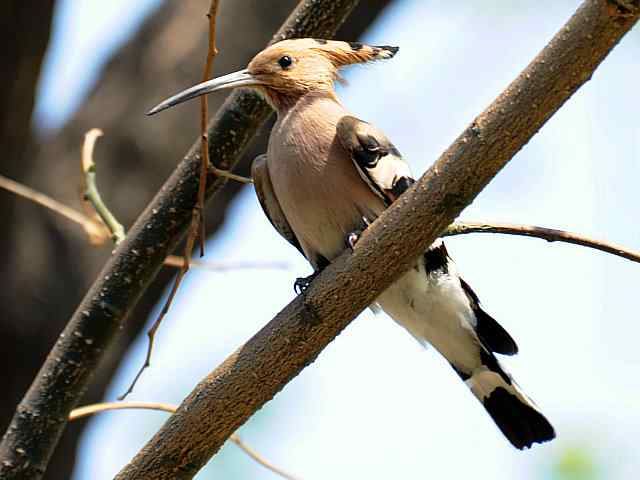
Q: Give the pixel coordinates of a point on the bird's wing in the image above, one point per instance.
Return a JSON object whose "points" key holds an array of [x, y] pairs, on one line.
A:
{"points": [[489, 332], [492, 335], [269, 202], [377, 160]]}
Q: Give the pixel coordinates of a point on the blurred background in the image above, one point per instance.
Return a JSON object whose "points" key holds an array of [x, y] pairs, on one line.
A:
{"points": [[374, 404]]}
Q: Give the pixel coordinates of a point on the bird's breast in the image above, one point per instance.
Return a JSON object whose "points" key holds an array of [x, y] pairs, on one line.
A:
{"points": [[318, 188]]}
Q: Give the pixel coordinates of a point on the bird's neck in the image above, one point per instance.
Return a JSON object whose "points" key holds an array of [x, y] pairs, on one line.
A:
{"points": [[284, 102], [316, 112], [306, 131]]}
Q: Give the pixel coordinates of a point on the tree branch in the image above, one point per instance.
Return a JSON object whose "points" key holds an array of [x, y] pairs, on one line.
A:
{"points": [[548, 234], [252, 375], [42, 414], [88, 410]]}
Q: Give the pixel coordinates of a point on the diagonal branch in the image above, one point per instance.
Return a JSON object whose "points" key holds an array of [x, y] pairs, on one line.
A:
{"points": [[258, 370], [42, 414]]}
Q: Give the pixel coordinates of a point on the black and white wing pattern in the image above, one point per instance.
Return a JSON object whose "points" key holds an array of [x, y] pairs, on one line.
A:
{"points": [[377, 160]]}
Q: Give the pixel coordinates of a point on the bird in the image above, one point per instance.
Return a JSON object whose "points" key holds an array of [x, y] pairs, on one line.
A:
{"points": [[327, 175]]}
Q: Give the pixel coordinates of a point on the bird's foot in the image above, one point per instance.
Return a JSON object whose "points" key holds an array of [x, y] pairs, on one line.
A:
{"points": [[353, 237], [302, 283]]}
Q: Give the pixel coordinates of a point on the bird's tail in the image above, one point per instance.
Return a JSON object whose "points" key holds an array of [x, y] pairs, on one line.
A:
{"points": [[513, 412]]}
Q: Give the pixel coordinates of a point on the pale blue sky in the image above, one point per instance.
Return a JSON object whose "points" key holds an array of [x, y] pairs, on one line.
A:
{"points": [[85, 34], [374, 404]]}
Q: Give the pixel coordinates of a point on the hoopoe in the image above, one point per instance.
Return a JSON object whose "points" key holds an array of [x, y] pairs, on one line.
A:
{"points": [[327, 175]]}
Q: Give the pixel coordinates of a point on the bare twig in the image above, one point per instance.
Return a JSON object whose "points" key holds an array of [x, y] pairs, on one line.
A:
{"points": [[197, 226], [94, 229], [175, 261], [88, 410], [256, 371], [548, 234], [253, 454], [94, 408], [212, 51], [229, 175], [91, 194], [151, 334]]}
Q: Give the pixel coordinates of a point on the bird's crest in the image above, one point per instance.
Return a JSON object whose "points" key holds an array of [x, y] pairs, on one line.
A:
{"points": [[291, 68], [348, 53]]}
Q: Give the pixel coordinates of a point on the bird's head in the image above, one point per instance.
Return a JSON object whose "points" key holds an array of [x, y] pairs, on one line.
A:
{"points": [[289, 69]]}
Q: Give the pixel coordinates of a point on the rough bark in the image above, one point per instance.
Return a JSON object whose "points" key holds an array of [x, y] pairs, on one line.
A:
{"points": [[133, 159], [251, 376]]}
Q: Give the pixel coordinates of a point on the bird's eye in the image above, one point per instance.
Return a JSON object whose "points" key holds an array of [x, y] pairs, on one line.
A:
{"points": [[285, 62]]}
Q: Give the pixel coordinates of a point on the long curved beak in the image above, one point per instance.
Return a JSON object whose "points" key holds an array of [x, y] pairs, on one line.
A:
{"points": [[237, 79]]}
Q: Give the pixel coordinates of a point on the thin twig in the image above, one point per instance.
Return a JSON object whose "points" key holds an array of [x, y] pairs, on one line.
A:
{"points": [[253, 454], [212, 51], [92, 409], [197, 226], [177, 262], [230, 175], [548, 234], [95, 230], [91, 194], [186, 261]]}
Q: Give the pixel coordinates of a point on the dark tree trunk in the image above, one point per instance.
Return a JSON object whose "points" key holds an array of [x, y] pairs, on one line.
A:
{"points": [[47, 263]]}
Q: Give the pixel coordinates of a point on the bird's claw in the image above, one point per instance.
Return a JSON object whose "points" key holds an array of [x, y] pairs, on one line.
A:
{"points": [[302, 283], [352, 239]]}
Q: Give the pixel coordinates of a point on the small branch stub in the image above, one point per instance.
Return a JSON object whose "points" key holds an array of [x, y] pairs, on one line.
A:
{"points": [[91, 193], [229, 175]]}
